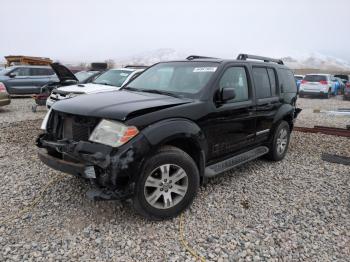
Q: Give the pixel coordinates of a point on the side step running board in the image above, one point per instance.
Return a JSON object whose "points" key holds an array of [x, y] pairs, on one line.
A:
{"points": [[232, 162]]}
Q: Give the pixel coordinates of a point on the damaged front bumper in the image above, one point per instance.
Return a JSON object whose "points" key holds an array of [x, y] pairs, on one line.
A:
{"points": [[107, 166]]}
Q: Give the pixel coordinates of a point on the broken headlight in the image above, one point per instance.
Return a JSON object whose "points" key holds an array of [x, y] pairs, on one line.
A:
{"points": [[112, 133]]}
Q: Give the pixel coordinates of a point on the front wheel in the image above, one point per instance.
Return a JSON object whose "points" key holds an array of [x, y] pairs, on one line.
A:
{"points": [[168, 184], [280, 142]]}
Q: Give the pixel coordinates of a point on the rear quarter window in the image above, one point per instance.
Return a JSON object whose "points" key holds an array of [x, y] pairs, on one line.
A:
{"points": [[287, 81]]}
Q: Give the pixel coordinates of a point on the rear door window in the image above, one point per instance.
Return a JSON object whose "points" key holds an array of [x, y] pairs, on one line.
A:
{"points": [[262, 82], [41, 71], [272, 77], [288, 81]]}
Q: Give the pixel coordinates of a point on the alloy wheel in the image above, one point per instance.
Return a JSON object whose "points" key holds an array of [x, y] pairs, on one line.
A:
{"points": [[166, 186], [282, 141]]}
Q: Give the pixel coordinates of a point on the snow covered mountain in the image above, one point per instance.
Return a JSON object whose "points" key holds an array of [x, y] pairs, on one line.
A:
{"points": [[317, 61], [151, 57]]}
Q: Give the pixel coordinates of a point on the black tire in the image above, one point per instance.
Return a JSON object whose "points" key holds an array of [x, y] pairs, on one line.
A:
{"points": [[328, 95], [274, 153], [173, 156]]}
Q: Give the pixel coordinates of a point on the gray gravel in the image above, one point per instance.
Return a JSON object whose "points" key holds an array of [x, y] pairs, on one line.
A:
{"points": [[308, 118], [297, 209]]}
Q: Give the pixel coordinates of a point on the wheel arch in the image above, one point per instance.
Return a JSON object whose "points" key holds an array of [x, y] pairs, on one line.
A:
{"points": [[181, 133]]}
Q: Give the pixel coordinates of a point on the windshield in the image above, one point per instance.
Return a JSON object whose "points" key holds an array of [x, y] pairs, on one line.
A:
{"points": [[185, 78], [315, 78], [83, 75], [4, 71], [298, 77], [113, 77]]}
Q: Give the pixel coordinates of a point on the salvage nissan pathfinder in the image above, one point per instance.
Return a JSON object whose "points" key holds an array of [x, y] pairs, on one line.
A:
{"points": [[173, 127]]}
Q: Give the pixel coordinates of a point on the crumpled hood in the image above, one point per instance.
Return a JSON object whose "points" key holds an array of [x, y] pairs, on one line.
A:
{"points": [[118, 105], [89, 88]]}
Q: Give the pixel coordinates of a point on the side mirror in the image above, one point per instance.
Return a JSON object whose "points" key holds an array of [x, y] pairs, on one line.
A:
{"points": [[12, 75], [227, 93]]}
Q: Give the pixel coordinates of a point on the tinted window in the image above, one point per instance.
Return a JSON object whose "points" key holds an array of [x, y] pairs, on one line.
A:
{"points": [[41, 71], [272, 77], [262, 82], [235, 77], [298, 77], [288, 81], [315, 78], [22, 71], [346, 77]]}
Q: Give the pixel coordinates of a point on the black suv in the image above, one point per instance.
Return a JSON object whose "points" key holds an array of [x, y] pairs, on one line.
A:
{"points": [[173, 127]]}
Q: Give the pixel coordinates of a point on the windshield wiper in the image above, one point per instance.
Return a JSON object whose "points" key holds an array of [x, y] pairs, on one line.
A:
{"points": [[106, 84], [131, 89], [161, 92]]}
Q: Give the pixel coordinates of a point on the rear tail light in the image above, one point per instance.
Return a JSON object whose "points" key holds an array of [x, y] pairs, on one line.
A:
{"points": [[348, 84], [324, 82], [303, 81], [2, 88]]}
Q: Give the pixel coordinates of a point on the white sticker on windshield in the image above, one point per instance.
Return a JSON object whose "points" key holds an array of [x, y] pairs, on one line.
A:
{"points": [[204, 69], [124, 74]]}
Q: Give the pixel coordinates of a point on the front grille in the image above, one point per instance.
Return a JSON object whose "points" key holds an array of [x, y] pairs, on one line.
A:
{"points": [[71, 127]]}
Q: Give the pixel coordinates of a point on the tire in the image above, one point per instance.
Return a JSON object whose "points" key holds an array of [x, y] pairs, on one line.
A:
{"points": [[275, 153], [158, 181], [301, 95], [328, 95]]}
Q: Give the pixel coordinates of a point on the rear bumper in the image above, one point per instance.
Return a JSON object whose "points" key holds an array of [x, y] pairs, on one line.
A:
{"points": [[5, 100], [313, 93]]}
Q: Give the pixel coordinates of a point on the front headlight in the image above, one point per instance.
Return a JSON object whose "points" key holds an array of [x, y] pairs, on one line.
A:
{"points": [[112, 133], [46, 118]]}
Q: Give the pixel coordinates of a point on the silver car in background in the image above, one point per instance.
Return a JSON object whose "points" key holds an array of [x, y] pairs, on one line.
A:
{"points": [[317, 85]]}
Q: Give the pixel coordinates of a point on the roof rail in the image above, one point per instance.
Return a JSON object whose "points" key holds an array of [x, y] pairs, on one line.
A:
{"points": [[255, 57], [191, 57]]}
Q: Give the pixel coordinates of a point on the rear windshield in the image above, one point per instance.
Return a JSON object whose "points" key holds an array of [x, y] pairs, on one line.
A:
{"points": [[315, 78], [346, 77], [298, 77]]}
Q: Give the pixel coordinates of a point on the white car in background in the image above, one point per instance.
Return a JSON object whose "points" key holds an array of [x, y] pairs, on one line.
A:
{"points": [[110, 80], [317, 85]]}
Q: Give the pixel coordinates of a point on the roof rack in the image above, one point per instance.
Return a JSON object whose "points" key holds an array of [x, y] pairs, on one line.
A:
{"points": [[191, 57], [255, 57]]}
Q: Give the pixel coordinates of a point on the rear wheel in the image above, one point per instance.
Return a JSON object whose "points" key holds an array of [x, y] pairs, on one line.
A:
{"points": [[168, 184], [280, 142], [328, 95]]}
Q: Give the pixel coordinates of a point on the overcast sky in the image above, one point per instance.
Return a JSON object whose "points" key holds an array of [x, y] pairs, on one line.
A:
{"points": [[78, 30]]}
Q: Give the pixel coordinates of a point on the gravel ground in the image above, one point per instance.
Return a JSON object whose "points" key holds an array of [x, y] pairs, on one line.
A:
{"points": [[308, 118], [296, 209]]}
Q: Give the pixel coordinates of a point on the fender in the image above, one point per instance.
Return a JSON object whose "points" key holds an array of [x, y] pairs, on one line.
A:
{"points": [[284, 110], [166, 130]]}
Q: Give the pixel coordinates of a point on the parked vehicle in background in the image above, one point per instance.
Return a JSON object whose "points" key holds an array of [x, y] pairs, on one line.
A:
{"points": [[173, 127], [344, 78], [341, 85], [87, 76], [298, 79], [4, 96], [317, 85], [110, 80], [26, 79], [347, 91]]}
